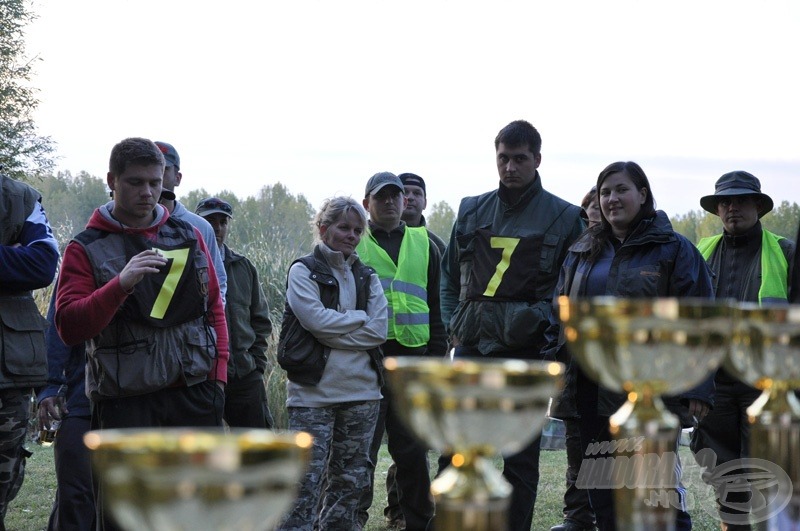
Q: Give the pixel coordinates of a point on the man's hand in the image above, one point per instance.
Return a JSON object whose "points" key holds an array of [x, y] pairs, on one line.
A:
{"points": [[698, 409], [144, 263], [50, 409]]}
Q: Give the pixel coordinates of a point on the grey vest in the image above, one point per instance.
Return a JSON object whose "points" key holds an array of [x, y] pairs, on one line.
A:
{"points": [[131, 357]]}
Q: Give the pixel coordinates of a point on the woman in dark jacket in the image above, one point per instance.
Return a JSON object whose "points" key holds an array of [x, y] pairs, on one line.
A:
{"points": [[633, 253]]}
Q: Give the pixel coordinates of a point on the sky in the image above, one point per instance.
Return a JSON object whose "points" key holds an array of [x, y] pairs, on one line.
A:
{"points": [[320, 95]]}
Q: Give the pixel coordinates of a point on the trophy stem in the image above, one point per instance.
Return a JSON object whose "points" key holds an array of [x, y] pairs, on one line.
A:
{"points": [[471, 495], [775, 437], [646, 464]]}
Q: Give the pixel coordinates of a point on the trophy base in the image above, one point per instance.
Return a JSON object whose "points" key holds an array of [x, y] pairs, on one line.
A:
{"points": [[775, 439], [471, 515], [787, 519], [471, 495], [646, 498]]}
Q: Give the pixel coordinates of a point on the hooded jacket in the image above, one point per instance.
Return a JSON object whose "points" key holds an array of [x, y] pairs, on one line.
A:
{"points": [[654, 261], [86, 307]]}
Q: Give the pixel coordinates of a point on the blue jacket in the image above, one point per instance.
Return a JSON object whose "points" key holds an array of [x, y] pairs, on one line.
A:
{"points": [[654, 261], [66, 369]]}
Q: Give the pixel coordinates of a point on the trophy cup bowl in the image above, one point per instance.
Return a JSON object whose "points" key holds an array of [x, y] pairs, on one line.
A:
{"points": [[645, 348], [765, 353], [195, 478], [471, 409]]}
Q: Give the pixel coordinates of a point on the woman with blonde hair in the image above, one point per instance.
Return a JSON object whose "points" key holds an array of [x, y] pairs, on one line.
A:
{"points": [[334, 322]]}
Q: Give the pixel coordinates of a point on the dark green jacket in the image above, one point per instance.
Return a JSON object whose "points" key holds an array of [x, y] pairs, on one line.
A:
{"points": [[247, 313], [23, 361], [497, 325]]}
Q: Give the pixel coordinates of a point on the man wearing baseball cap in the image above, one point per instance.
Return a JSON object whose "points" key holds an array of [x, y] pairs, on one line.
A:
{"points": [[172, 179], [407, 262], [249, 327], [416, 202], [749, 264]]}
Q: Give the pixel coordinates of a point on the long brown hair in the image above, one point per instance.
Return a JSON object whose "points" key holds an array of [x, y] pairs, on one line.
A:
{"points": [[601, 233]]}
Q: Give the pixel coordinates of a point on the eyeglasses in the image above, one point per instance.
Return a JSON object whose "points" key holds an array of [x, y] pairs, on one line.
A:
{"points": [[216, 204]]}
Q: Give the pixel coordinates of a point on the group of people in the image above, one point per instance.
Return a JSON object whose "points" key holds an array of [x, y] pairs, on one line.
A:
{"points": [[155, 321], [511, 253]]}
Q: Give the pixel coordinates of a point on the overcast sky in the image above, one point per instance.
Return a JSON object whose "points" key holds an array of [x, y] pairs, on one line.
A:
{"points": [[319, 95]]}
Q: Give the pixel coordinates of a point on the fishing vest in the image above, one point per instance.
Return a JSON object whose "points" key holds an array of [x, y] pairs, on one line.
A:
{"points": [[23, 355], [160, 336], [774, 267], [405, 285]]}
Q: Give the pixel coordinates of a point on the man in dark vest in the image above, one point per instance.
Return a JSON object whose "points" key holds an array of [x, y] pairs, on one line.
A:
{"points": [[139, 287], [29, 254], [498, 275], [749, 264]]}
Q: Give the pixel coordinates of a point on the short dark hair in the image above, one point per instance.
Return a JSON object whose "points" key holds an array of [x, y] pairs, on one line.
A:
{"points": [[519, 133], [134, 150]]}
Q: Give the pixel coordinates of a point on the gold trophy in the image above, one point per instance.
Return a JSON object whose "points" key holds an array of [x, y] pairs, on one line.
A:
{"points": [[644, 348], [472, 409], [765, 353], [197, 479]]}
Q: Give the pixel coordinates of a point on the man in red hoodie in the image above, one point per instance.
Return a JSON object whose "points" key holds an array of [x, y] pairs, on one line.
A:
{"points": [[139, 287]]}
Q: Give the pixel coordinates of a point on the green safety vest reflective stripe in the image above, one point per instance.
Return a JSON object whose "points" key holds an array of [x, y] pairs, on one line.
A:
{"points": [[774, 267], [405, 284]]}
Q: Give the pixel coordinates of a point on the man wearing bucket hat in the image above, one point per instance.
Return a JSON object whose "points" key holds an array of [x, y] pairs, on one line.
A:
{"points": [[749, 264], [249, 327]]}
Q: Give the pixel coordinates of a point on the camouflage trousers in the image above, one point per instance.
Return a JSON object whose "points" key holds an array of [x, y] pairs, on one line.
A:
{"points": [[339, 463], [15, 407]]}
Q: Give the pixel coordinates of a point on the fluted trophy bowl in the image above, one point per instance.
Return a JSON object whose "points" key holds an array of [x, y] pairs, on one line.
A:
{"points": [[197, 479], [765, 353], [646, 348], [472, 408]]}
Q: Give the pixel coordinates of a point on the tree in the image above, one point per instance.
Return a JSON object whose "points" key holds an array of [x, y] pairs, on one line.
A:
{"points": [[783, 220], [271, 229], [69, 202], [22, 150], [441, 220]]}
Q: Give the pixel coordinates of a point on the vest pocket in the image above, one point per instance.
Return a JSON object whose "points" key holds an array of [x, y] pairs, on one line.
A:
{"points": [[23, 346], [198, 353], [133, 368]]}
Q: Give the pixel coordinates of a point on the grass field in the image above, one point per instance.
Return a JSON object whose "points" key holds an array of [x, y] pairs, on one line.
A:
{"points": [[29, 512]]}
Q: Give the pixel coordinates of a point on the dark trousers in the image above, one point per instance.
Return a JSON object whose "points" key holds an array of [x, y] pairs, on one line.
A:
{"points": [[577, 508], [412, 475], [726, 431], [246, 402], [200, 405], [73, 506], [522, 471]]}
